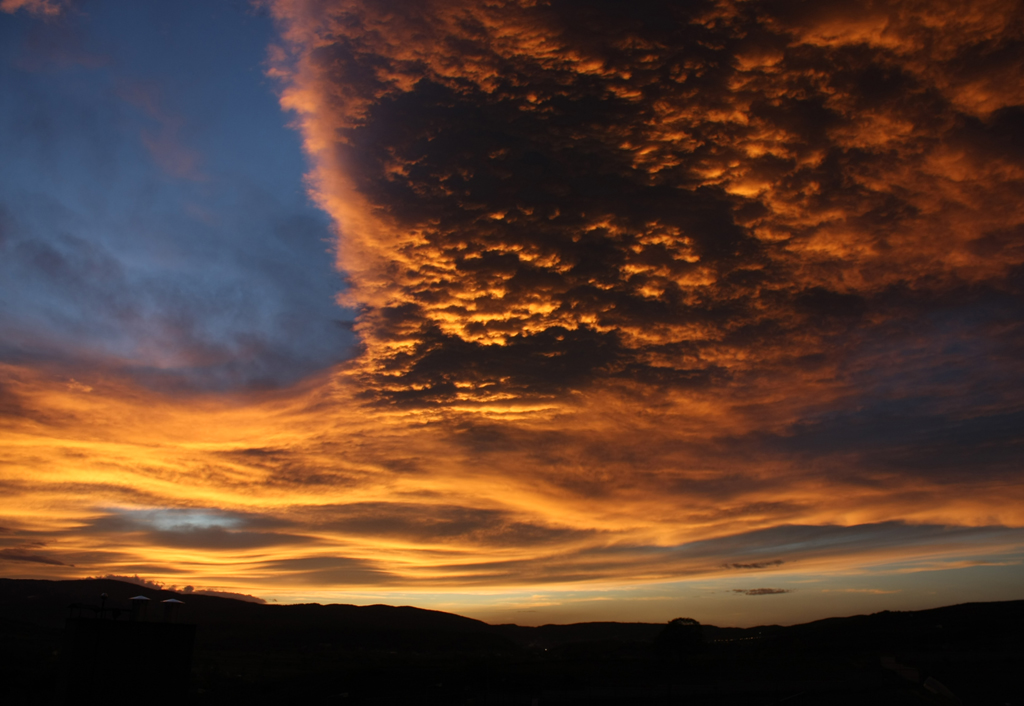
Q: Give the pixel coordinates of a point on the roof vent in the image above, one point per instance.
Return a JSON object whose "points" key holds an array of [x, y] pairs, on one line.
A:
{"points": [[171, 608], [139, 605]]}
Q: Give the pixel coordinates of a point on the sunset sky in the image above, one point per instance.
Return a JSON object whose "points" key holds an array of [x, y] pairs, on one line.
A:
{"points": [[530, 310]]}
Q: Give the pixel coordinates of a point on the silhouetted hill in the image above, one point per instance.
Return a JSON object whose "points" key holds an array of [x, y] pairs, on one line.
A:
{"points": [[46, 602], [264, 653], [991, 626]]}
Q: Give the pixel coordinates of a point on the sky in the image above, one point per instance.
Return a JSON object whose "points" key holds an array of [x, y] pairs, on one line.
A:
{"points": [[533, 311]]}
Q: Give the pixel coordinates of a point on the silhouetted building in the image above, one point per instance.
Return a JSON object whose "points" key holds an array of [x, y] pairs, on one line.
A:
{"points": [[118, 655]]}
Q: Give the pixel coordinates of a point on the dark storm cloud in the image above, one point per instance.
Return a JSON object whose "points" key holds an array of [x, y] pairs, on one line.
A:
{"points": [[783, 237], [908, 437], [679, 195]]}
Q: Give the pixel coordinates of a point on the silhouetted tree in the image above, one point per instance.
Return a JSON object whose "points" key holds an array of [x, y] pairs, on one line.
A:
{"points": [[681, 636]]}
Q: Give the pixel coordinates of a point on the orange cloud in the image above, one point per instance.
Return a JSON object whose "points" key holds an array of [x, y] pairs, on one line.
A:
{"points": [[312, 492], [643, 298], [783, 198], [35, 7]]}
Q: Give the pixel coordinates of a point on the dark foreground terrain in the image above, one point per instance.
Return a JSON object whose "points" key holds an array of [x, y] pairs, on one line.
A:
{"points": [[254, 654]]}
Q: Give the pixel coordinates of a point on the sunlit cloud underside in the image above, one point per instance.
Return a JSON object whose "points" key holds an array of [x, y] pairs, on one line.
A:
{"points": [[706, 292]]}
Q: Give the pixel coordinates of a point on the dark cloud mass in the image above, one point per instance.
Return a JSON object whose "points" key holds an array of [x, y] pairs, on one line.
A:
{"points": [[743, 274], [679, 195], [760, 591], [756, 565]]}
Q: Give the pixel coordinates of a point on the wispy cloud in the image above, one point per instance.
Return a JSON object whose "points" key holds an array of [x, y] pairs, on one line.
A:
{"points": [[29, 555], [756, 565], [164, 141]]}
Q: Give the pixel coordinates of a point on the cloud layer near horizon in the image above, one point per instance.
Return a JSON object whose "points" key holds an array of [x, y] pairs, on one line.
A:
{"points": [[692, 290]]}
